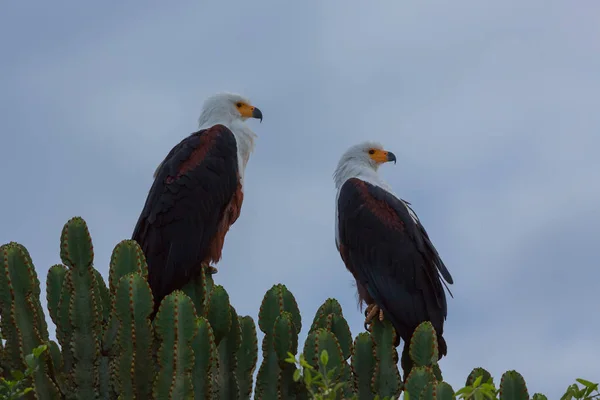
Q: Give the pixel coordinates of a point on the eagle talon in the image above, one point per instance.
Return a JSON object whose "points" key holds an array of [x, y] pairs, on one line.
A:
{"points": [[371, 312], [211, 270]]}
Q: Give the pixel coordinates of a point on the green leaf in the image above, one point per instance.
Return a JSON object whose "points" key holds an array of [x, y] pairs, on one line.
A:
{"points": [[30, 361], [324, 358], [37, 351], [296, 375], [18, 375], [586, 383]]}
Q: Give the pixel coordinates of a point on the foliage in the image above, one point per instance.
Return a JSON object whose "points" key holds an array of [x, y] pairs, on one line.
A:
{"points": [[111, 346], [20, 384]]}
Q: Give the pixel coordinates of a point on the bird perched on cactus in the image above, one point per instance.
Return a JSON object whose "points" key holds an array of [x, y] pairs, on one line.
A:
{"points": [[196, 195], [386, 248]]}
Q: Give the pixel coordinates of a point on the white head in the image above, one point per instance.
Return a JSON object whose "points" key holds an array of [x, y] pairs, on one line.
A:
{"points": [[227, 108], [361, 160]]}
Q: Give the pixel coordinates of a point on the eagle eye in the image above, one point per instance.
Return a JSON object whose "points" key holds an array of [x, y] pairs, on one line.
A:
{"points": [[371, 151], [239, 105]]}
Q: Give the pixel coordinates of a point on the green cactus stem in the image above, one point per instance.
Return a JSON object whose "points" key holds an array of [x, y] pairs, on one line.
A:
{"points": [[218, 312], [133, 306], [199, 288], [276, 301], [54, 283], [247, 356], [429, 392], [319, 340], [84, 311], [285, 337], [437, 391], [387, 380], [175, 327], [205, 360], [513, 387], [228, 347], [127, 257], [330, 317], [22, 317], [445, 391], [423, 348], [285, 340], [364, 365], [417, 381], [476, 373]]}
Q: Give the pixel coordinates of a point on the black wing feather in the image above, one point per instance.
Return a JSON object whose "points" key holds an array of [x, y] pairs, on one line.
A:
{"points": [[184, 207], [391, 256]]}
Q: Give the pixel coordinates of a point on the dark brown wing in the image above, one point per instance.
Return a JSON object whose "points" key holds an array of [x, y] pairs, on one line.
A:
{"points": [[391, 257], [195, 187]]}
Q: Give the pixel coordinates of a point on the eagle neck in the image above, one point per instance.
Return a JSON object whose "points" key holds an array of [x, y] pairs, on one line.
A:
{"points": [[361, 171]]}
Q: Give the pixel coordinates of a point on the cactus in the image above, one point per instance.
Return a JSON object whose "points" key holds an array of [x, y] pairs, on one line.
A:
{"points": [[247, 357], [133, 306], [476, 373], [204, 366], [364, 365], [175, 327], [513, 387], [23, 323], [228, 347], [330, 331], [111, 345], [386, 380], [279, 317]]}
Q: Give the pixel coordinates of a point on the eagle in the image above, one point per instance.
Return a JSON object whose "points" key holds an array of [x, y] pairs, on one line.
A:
{"points": [[196, 195], [383, 244]]}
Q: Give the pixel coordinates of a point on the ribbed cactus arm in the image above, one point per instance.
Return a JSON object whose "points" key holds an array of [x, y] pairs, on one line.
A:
{"points": [[247, 356], [205, 360], [133, 306], [228, 347], [85, 307], [387, 377], [23, 323], [513, 387], [127, 257], [276, 301], [364, 365], [175, 327]]}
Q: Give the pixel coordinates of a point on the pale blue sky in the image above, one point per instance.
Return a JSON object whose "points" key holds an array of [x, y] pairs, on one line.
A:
{"points": [[492, 110]]}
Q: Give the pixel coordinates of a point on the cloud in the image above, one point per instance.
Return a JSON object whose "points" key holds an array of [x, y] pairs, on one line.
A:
{"points": [[490, 108]]}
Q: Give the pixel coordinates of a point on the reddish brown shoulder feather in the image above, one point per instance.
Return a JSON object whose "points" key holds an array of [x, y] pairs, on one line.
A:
{"points": [[208, 140], [380, 208]]}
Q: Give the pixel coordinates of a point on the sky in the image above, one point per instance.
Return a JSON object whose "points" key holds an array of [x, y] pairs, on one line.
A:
{"points": [[490, 108]]}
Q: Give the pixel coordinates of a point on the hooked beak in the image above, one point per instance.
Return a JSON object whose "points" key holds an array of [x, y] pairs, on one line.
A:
{"points": [[391, 157], [256, 113]]}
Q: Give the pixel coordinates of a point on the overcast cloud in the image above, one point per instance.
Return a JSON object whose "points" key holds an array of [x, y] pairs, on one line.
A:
{"points": [[491, 108]]}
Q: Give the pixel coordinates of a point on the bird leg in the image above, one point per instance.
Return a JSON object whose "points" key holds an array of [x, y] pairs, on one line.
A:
{"points": [[370, 313]]}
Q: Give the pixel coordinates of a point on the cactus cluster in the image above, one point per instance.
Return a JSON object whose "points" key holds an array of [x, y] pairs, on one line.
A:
{"points": [[111, 345], [196, 346]]}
